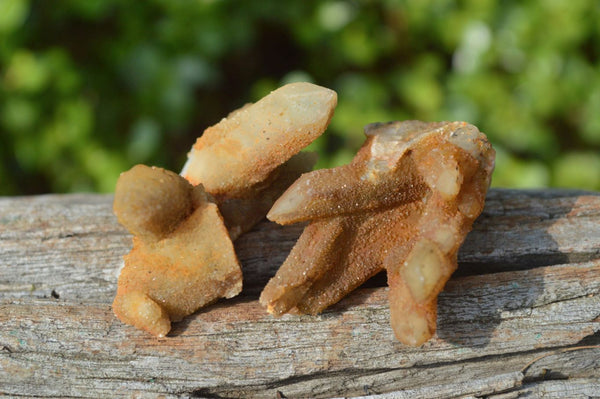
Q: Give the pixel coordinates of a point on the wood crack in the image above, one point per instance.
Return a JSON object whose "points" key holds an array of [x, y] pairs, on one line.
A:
{"points": [[232, 391]]}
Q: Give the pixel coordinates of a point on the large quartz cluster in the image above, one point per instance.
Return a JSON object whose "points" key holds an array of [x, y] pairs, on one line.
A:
{"points": [[404, 204]]}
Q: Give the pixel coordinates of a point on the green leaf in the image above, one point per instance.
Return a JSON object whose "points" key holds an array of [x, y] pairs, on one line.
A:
{"points": [[12, 14]]}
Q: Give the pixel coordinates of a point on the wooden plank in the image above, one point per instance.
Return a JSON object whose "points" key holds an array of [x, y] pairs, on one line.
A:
{"points": [[525, 297], [574, 388], [79, 236], [482, 335], [525, 228]]}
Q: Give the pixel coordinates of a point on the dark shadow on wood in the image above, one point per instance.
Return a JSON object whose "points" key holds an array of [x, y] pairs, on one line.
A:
{"points": [[514, 219], [479, 327], [262, 250], [179, 328]]}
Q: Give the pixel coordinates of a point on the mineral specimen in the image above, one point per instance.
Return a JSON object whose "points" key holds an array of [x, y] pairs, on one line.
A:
{"points": [[404, 204], [182, 256]]}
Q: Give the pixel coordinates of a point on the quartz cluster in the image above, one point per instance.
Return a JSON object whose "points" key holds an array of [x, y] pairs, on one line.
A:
{"points": [[404, 204], [183, 256]]}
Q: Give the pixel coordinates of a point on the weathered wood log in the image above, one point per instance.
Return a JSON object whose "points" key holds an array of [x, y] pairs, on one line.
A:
{"points": [[520, 317]]}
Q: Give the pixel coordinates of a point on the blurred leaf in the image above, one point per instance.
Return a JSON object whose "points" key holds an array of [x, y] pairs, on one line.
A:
{"points": [[26, 72], [513, 172], [12, 14], [591, 116], [334, 15], [577, 170], [19, 114], [145, 140]]}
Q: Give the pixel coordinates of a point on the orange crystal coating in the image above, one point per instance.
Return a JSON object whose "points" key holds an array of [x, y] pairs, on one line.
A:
{"points": [[404, 204], [182, 257]]}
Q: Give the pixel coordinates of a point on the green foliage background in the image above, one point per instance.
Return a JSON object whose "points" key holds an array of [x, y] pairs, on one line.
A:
{"points": [[89, 88]]}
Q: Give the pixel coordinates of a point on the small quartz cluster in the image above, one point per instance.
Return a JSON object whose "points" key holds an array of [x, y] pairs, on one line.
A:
{"points": [[183, 256], [404, 204]]}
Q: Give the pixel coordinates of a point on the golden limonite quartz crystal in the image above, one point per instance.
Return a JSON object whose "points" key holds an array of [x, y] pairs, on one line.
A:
{"points": [[183, 257], [247, 160], [404, 204]]}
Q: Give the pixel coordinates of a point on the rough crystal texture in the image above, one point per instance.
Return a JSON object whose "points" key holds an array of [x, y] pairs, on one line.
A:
{"points": [[241, 160], [404, 204], [241, 214], [182, 257]]}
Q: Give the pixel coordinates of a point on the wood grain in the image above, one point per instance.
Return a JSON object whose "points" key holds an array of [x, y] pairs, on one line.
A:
{"points": [[520, 317]]}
